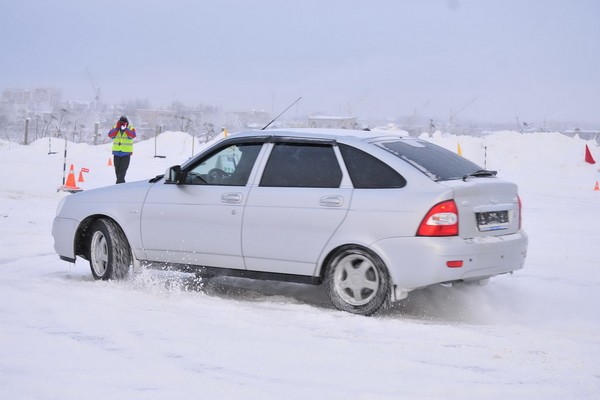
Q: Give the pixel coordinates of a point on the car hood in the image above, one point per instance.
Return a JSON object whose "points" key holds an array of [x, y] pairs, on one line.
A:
{"points": [[108, 200], [127, 192]]}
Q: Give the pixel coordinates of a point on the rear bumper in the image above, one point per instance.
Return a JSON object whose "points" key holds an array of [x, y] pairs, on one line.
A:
{"points": [[417, 262]]}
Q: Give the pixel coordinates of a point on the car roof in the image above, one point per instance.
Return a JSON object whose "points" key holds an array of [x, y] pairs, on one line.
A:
{"points": [[326, 134]]}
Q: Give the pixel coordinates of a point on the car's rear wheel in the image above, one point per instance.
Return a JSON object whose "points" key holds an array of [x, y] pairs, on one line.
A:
{"points": [[357, 281], [110, 254]]}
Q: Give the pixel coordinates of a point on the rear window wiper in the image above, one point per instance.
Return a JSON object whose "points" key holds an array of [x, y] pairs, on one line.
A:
{"points": [[480, 173]]}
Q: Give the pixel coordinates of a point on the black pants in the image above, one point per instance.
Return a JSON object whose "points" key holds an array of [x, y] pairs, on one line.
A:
{"points": [[121, 165]]}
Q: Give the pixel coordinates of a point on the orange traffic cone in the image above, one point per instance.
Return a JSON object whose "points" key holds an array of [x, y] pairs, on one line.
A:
{"points": [[109, 162], [70, 185], [596, 188], [71, 179], [80, 176]]}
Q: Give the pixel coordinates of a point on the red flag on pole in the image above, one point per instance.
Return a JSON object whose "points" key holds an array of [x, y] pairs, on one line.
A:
{"points": [[588, 156]]}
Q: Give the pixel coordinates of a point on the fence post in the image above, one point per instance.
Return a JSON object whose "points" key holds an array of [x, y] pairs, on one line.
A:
{"points": [[96, 126], [26, 131]]}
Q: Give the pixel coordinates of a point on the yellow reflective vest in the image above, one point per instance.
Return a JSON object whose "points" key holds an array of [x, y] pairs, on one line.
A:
{"points": [[122, 142]]}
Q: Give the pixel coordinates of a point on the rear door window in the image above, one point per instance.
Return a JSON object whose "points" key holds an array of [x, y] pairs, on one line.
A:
{"points": [[302, 165]]}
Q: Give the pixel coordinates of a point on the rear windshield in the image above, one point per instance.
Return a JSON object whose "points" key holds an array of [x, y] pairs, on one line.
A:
{"points": [[434, 161]]}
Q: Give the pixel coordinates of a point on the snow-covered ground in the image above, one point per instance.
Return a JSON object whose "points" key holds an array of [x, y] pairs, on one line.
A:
{"points": [[532, 335]]}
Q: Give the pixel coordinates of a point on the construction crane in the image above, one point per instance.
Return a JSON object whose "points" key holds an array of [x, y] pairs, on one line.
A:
{"points": [[421, 110], [452, 115], [96, 90], [351, 107]]}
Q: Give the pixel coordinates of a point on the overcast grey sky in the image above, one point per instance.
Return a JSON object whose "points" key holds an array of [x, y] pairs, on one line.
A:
{"points": [[532, 59]]}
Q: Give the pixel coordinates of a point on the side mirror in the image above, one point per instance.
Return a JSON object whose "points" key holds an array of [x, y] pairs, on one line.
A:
{"points": [[173, 175]]}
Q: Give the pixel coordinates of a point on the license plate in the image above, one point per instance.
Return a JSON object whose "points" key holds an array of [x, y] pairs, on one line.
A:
{"points": [[492, 220]]}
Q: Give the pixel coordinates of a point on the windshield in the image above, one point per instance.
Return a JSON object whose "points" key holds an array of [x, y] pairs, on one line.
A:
{"points": [[434, 161]]}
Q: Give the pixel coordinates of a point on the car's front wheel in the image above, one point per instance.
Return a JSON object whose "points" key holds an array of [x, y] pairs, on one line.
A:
{"points": [[110, 254], [357, 281]]}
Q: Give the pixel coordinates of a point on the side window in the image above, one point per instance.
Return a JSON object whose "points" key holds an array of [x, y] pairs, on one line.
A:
{"points": [[229, 166], [368, 172], [302, 165]]}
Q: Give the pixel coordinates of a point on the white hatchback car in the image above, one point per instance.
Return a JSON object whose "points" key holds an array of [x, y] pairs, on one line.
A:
{"points": [[372, 216]]}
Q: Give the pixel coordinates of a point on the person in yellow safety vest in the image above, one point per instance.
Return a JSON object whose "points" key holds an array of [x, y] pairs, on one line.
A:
{"points": [[122, 134]]}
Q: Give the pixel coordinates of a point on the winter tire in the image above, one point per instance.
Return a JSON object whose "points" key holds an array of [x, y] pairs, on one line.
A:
{"points": [[357, 281], [110, 254]]}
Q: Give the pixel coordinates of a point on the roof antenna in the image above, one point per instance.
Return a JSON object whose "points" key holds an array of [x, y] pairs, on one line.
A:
{"points": [[265, 127]]}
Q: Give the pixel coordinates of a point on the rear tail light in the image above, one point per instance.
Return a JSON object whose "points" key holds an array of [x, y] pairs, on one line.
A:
{"points": [[441, 220]]}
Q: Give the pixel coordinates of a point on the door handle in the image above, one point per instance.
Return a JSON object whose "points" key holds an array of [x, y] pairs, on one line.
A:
{"points": [[231, 198], [331, 201]]}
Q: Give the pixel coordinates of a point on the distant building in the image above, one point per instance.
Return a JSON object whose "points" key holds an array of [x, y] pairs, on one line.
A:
{"points": [[332, 122], [153, 118], [19, 110], [24, 96]]}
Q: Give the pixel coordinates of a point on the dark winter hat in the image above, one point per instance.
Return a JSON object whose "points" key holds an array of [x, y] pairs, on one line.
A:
{"points": [[123, 119]]}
